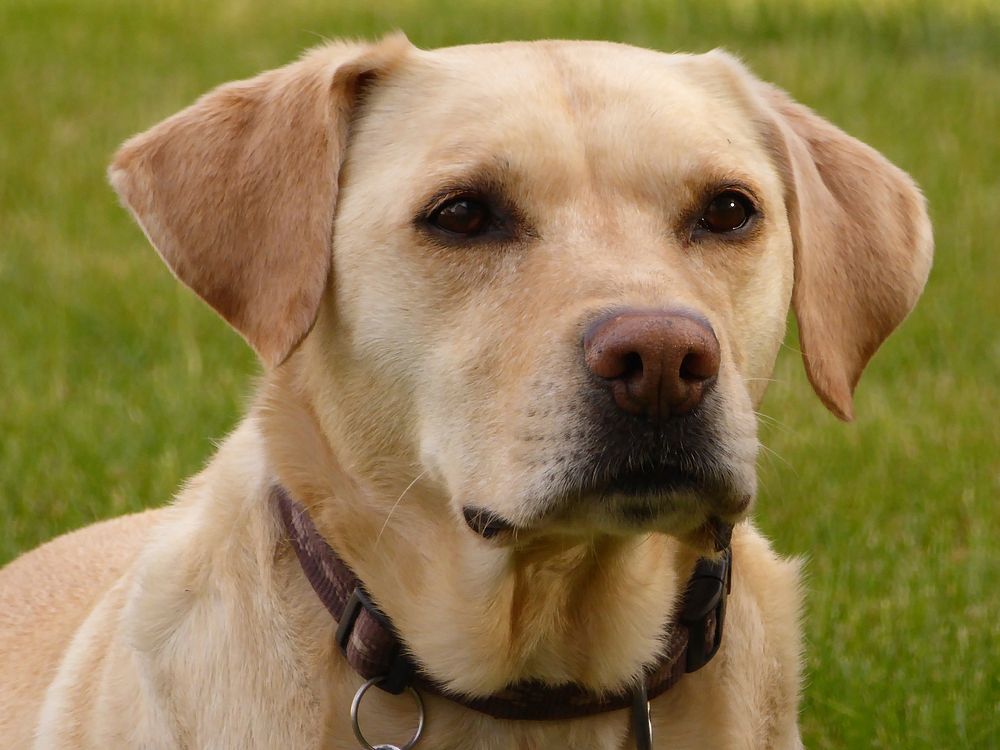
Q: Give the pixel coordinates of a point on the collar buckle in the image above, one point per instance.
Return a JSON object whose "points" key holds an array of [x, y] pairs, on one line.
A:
{"points": [[362, 624], [704, 611]]}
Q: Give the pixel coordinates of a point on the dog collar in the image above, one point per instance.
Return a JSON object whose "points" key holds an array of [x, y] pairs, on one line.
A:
{"points": [[375, 651]]}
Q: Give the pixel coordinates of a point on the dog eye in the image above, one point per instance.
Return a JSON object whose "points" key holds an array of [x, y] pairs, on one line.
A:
{"points": [[463, 216], [727, 212]]}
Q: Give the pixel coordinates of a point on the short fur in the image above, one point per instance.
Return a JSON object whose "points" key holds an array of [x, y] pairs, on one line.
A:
{"points": [[406, 378]]}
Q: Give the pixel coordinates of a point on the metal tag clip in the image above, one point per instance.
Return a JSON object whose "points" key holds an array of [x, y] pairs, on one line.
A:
{"points": [[356, 704], [642, 724]]}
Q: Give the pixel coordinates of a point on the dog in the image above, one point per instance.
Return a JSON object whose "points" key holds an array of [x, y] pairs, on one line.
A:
{"points": [[516, 305]]}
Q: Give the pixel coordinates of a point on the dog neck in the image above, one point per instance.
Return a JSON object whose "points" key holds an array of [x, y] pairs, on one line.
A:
{"points": [[479, 616]]}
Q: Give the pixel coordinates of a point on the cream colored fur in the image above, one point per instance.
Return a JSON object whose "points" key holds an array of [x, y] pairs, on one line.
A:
{"points": [[405, 379]]}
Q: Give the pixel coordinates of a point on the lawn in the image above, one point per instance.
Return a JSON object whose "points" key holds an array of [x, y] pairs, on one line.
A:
{"points": [[115, 381]]}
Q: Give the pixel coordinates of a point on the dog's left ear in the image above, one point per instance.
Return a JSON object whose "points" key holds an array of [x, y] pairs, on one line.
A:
{"points": [[238, 191], [862, 239]]}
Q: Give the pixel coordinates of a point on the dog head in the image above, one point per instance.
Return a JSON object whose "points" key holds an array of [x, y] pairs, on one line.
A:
{"points": [[550, 279]]}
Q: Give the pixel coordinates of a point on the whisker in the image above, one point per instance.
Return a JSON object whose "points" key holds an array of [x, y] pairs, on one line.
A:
{"points": [[396, 504], [774, 422], [778, 456]]}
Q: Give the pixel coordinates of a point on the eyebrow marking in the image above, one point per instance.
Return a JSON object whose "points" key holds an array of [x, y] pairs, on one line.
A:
{"points": [[489, 180]]}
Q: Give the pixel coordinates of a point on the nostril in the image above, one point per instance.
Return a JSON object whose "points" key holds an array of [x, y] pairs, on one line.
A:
{"points": [[696, 366], [632, 365]]}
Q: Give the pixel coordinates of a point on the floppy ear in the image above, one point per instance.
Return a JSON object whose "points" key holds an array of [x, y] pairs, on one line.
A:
{"points": [[862, 239], [863, 246], [237, 192]]}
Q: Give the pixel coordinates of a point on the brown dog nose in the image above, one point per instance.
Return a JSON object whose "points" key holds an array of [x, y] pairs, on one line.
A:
{"points": [[657, 363]]}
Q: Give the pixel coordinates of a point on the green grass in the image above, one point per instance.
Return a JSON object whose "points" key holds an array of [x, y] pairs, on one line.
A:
{"points": [[115, 381]]}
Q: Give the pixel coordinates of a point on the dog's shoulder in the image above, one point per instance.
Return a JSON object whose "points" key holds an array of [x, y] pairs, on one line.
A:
{"points": [[765, 616], [45, 595]]}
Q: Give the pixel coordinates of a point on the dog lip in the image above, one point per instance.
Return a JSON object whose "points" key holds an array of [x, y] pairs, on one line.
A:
{"points": [[484, 522], [639, 495], [645, 482]]}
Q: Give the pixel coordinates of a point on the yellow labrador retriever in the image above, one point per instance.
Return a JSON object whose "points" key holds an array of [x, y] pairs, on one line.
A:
{"points": [[516, 305]]}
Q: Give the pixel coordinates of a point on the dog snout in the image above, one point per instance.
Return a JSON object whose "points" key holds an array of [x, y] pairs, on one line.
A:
{"points": [[657, 364]]}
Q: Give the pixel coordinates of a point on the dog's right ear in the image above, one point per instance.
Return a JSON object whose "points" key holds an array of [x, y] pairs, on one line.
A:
{"points": [[237, 192]]}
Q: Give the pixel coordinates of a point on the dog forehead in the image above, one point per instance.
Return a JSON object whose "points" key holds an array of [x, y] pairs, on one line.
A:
{"points": [[560, 109]]}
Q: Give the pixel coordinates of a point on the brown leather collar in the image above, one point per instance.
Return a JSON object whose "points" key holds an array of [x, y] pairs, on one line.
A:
{"points": [[373, 648]]}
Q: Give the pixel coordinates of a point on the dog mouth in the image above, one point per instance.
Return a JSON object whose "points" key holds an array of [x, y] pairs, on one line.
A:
{"points": [[486, 523], [625, 476], [640, 483], [635, 500]]}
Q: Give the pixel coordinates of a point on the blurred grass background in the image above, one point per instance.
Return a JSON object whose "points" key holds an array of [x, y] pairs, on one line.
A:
{"points": [[114, 381]]}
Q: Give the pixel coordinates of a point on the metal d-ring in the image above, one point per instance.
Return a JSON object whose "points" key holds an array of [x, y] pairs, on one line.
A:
{"points": [[356, 704], [642, 725]]}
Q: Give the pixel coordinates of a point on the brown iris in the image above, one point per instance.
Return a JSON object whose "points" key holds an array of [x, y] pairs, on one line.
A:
{"points": [[467, 217], [727, 212]]}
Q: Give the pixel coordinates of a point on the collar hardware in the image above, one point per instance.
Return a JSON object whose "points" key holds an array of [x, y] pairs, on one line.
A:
{"points": [[704, 610], [398, 669], [356, 723], [642, 724]]}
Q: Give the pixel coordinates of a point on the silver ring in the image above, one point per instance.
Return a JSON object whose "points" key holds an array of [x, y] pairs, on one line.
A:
{"points": [[642, 723], [356, 704]]}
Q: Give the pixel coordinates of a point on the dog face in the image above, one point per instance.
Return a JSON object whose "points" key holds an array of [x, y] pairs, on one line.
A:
{"points": [[565, 197], [559, 272]]}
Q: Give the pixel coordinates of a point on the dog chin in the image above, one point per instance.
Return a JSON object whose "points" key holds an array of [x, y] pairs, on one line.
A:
{"points": [[687, 515], [698, 519]]}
